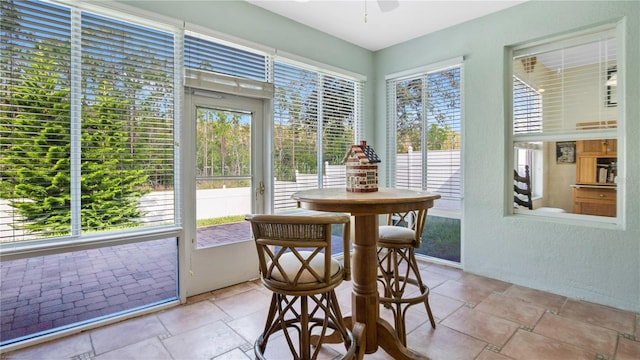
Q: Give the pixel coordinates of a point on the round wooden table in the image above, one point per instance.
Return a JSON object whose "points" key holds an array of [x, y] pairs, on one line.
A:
{"points": [[365, 208]]}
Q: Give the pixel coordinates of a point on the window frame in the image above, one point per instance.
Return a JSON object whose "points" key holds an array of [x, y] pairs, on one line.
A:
{"points": [[450, 206], [605, 132], [78, 240], [289, 69]]}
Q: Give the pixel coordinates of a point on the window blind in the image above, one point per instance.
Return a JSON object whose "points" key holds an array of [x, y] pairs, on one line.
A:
{"points": [[204, 54], [86, 124], [35, 120], [575, 82], [527, 108], [426, 129], [315, 118], [127, 127], [444, 132]]}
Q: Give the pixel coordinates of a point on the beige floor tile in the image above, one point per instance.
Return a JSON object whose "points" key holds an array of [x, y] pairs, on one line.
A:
{"points": [[378, 355], [441, 306], [235, 289], [444, 343], [277, 348], [483, 326], [250, 326], [223, 325], [126, 333], [200, 297], [204, 342], [547, 300], [491, 355], [491, 284], [512, 309], [147, 349], [432, 278], [244, 303], [64, 348], [618, 320], [450, 272], [188, 317], [628, 349], [467, 292], [599, 339], [529, 346], [235, 354], [413, 319]]}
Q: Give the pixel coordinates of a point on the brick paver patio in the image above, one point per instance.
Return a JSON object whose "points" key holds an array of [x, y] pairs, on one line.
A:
{"points": [[42, 293]]}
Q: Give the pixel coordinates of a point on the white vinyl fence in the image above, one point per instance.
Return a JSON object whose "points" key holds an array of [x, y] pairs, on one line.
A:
{"points": [[443, 177]]}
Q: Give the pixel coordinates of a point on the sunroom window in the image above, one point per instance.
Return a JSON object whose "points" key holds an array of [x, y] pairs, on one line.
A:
{"points": [[86, 166], [424, 112], [565, 124]]}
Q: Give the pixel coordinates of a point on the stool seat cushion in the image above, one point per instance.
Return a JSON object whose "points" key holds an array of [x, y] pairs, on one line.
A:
{"points": [[396, 234], [291, 266]]}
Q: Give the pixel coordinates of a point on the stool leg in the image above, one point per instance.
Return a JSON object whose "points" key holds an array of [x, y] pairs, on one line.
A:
{"points": [[305, 344], [423, 287], [395, 283]]}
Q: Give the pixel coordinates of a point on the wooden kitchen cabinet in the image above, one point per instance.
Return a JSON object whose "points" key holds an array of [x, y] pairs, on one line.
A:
{"points": [[591, 157], [599, 201], [605, 147], [596, 167]]}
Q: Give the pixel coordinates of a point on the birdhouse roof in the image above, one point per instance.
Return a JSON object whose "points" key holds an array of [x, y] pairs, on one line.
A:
{"points": [[364, 152]]}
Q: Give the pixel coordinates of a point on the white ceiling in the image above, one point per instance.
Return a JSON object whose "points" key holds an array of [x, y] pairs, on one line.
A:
{"points": [[409, 19]]}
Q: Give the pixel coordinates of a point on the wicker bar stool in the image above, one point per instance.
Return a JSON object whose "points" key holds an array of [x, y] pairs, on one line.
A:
{"points": [[295, 263], [398, 268]]}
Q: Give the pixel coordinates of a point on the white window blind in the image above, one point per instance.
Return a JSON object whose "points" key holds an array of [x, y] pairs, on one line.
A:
{"points": [[527, 108], [86, 125], [573, 78], [315, 118], [127, 124], [203, 54], [35, 120], [425, 132]]}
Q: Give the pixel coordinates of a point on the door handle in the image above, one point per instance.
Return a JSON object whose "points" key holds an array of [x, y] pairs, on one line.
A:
{"points": [[260, 189]]}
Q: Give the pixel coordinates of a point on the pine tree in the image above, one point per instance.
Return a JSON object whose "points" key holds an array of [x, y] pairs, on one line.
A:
{"points": [[35, 167]]}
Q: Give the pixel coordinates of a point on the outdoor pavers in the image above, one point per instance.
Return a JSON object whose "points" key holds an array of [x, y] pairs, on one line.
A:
{"points": [[38, 294]]}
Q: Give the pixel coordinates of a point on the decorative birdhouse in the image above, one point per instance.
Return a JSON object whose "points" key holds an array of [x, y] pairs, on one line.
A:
{"points": [[362, 168]]}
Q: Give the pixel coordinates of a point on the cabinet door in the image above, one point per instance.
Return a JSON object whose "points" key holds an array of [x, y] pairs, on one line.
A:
{"points": [[594, 201], [586, 170], [611, 146], [596, 147], [595, 208]]}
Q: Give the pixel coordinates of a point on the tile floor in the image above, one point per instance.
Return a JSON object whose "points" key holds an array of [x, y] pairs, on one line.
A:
{"points": [[477, 318]]}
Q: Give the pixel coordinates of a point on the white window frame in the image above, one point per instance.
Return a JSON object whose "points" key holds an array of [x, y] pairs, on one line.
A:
{"points": [[450, 207], [554, 43]]}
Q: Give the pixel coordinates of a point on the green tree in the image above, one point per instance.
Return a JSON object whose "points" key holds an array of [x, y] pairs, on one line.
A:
{"points": [[35, 167], [409, 114], [35, 143], [110, 187], [442, 98], [436, 136]]}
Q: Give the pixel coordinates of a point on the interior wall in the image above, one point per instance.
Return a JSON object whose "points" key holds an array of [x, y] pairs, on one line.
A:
{"points": [[558, 180], [580, 259]]}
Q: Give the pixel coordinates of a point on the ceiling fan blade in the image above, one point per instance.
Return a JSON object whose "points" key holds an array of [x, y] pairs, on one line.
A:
{"points": [[388, 5]]}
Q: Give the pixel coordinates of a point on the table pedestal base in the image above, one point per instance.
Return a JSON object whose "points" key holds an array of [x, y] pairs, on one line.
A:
{"points": [[387, 340]]}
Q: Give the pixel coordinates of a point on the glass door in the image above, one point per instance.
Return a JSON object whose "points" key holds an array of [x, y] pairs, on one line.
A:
{"points": [[226, 183]]}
